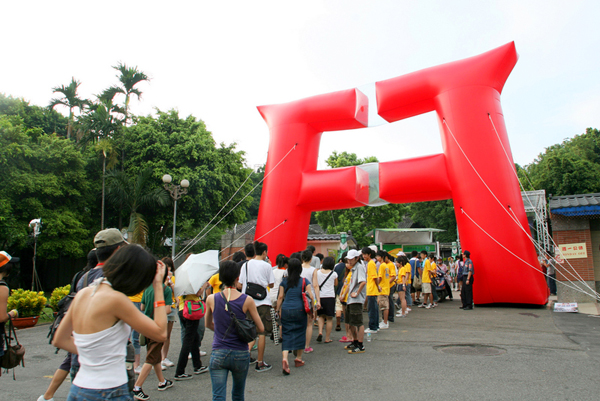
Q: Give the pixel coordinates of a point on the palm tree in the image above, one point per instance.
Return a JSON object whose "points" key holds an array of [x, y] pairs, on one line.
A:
{"points": [[129, 77], [135, 193], [69, 100]]}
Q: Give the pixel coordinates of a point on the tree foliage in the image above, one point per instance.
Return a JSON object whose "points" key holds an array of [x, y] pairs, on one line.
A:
{"points": [[571, 167], [360, 220]]}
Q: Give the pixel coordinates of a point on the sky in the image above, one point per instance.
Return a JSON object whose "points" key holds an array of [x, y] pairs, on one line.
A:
{"points": [[219, 60]]}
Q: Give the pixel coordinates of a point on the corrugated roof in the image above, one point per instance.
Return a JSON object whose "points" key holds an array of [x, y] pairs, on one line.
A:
{"points": [[557, 202]]}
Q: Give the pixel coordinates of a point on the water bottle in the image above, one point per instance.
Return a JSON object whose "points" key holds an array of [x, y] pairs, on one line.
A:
{"points": [[368, 337]]}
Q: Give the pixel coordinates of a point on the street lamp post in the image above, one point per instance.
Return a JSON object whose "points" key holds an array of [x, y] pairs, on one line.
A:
{"points": [[176, 192]]}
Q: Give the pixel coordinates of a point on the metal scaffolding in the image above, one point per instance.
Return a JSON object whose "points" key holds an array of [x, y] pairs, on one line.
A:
{"points": [[535, 206]]}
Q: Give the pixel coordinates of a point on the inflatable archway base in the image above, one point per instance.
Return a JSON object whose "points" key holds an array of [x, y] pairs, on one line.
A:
{"points": [[475, 170]]}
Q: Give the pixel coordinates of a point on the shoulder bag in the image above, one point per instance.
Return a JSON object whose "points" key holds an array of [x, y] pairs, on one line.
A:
{"points": [[256, 291], [14, 353], [307, 307], [246, 329], [193, 310]]}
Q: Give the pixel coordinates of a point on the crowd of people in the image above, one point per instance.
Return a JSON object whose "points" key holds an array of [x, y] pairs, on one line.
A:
{"points": [[124, 300]]}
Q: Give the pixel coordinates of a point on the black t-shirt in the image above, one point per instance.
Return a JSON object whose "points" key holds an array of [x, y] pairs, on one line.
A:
{"points": [[339, 270]]}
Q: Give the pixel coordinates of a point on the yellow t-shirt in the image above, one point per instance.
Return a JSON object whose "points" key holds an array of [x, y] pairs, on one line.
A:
{"points": [[371, 279], [192, 297], [426, 269], [215, 283], [393, 271], [136, 298], [404, 271], [346, 285], [384, 282]]}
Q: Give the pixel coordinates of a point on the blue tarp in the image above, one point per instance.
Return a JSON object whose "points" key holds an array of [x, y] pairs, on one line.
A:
{"points": [[577, 211]]}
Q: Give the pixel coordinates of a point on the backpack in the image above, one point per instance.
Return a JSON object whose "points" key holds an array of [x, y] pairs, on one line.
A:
{"points": [[63, 306]]}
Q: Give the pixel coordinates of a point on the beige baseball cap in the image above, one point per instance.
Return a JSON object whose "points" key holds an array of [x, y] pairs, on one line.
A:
{"points": [[108, 237]]}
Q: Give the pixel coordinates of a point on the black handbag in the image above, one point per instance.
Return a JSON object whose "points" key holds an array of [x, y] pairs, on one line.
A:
{"points": [[246, 329], [256, 291], [14, 353]]}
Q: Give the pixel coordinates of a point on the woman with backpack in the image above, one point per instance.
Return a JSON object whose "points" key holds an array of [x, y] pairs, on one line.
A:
{"points": [[100, 320], [5, 268]]}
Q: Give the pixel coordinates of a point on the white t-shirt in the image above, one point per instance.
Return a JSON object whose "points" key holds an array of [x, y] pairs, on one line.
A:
{"points": [[279, 274], [307, 273], [328, 290], [259, 272]]}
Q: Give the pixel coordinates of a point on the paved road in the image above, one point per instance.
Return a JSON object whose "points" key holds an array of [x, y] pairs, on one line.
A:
{"points": [[432, 354]]}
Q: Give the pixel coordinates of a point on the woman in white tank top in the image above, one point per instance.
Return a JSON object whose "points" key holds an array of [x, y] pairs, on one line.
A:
{"points": [[326, 281], [100, 319]]}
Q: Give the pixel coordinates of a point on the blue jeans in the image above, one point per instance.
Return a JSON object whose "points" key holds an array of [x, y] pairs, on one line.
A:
{"points": [[407, 296], [373, 310], [391, 301], [223, 361], [135, 336], [120, 393]]}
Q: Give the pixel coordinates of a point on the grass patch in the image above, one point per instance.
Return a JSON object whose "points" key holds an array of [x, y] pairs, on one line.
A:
{"points": [[46, 316]]}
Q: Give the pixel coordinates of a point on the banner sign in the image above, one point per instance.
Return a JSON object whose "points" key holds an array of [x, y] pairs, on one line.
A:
{"points": [[566, 307], [573, 251]]}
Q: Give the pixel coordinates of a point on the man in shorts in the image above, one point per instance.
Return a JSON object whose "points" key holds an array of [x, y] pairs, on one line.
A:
{"points": [[383, 299], [259, 272], [154, 348], [426, 282], [356, 298]]}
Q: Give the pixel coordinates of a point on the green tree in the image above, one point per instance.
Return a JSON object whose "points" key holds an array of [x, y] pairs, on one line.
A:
{"points": [[571, 167], [358, 220], [183, 148], [128, 77], [69, 100], [43, 176], [437, 214]]}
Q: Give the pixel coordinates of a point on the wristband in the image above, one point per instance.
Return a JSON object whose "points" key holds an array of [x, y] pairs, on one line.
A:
{"points": [[159, 303]]}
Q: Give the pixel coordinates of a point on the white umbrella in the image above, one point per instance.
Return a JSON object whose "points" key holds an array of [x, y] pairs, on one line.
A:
{"points": [[195, 271]]}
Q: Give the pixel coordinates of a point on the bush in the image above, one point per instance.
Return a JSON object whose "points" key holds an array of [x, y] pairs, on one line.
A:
{"points": [[58, 294], [27, 303]]}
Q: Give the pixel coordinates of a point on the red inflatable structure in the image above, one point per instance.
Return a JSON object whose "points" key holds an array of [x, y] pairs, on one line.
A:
{"points": [[476, 169]]}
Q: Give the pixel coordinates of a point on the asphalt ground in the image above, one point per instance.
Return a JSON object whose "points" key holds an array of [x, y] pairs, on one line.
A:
{"points": [[489, 353]]}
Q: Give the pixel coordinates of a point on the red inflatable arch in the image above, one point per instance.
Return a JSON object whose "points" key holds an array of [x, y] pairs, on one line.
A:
{"points": [[476, 169]]}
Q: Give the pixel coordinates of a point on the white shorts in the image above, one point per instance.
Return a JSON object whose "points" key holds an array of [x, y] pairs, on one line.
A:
{"points": [[426, 288]]}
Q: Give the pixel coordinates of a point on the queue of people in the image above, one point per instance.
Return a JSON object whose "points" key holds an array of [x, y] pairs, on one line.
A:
{"points": [[124, 300]]}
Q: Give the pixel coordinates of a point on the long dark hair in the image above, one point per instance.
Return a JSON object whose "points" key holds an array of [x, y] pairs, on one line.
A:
{"points": [[130, 270], [294, 270]]}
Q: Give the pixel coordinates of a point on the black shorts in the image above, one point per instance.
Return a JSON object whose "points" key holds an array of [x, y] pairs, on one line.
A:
{"points": [[354, 315], [264, 312], [327, 307]]}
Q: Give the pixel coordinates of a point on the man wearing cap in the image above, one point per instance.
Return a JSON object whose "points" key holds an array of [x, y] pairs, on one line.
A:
{"points": [[356, 299], [107, 242], [468, 278]]}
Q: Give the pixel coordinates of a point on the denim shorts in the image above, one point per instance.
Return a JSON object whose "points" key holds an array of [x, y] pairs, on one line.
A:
{"points": [[120, 393]]}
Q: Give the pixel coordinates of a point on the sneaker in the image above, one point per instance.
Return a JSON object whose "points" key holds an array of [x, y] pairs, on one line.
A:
{"points": [[140, 395], [201, 369], [408, 309], [183, 376], [167, 384], [434, 305], [202, 353], [345, 340], [383, 326], [371, 331], [252, 361], [422, 306], [162, 366], [399, 314], [168, 363], [255, 346], [41, 398], [190, 355], [308, 350], [138, 370], [357, 350], [263, 367]]}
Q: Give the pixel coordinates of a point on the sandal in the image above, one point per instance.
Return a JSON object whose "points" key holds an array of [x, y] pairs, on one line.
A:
{"points": [[327, 342], [285, 367], [320, 338], [298, 363]]}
